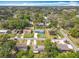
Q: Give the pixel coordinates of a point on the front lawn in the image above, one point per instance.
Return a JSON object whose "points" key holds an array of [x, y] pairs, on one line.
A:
{"points": [[29, 35], [39, 27], [39, 42], [41, 35], [7, 35]]}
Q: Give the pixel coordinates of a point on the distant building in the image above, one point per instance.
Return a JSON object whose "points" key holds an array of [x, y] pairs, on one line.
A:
{"points": [[40, 24], [4, 31]]}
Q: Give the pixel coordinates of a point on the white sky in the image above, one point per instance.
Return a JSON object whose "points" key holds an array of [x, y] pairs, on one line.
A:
{"points": [[42, 4], [39, 0]]}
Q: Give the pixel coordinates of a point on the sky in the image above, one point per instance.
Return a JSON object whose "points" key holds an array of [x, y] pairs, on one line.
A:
{"points": [[38, 3], [39, 0]]}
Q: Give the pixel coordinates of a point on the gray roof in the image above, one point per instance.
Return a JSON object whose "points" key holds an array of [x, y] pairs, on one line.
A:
{"points": [[63, 46], [21, 47]]}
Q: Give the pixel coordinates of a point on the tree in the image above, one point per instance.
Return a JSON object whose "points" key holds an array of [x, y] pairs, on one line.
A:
{"points": [[3, 37], [25, 54], [16, 24], [74, 32], [51, 48], [53, 23], [6, 48]]}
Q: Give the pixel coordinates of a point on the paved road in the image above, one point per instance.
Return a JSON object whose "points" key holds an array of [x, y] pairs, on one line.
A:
{"points": [[65, 35]]}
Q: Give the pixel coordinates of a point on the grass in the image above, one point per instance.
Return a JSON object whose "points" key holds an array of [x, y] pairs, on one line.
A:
{"points": [[39, 42], [41, 35], [11, 35], [24, 42], [28, 35], [39, 27], [19, 35], [7, 35], [53, 36], [40, 55]]}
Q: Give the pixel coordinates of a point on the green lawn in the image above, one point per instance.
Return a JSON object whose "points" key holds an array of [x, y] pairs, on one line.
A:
{"points": [[29, 35], [39, 42], [7, 35], [39, 27], [19, 35], [41, 35], [11, 35], [53, 36]]}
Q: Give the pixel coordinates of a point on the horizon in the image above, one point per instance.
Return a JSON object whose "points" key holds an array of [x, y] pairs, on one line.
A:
{"points": [[39, 3]]}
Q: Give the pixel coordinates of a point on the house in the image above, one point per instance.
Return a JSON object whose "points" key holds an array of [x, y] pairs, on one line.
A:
{"points": [[27, 30], [21, 47], [52, 32], [40, 24], [4, 31], [39, 31], [64, 46]]}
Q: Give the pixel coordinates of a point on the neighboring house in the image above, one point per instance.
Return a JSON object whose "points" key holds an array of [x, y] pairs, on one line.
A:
{"points": [[27, 31], [39, 31], [51, 32], [4, 31], [21, 46], [64, 46], [40, 24]]}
